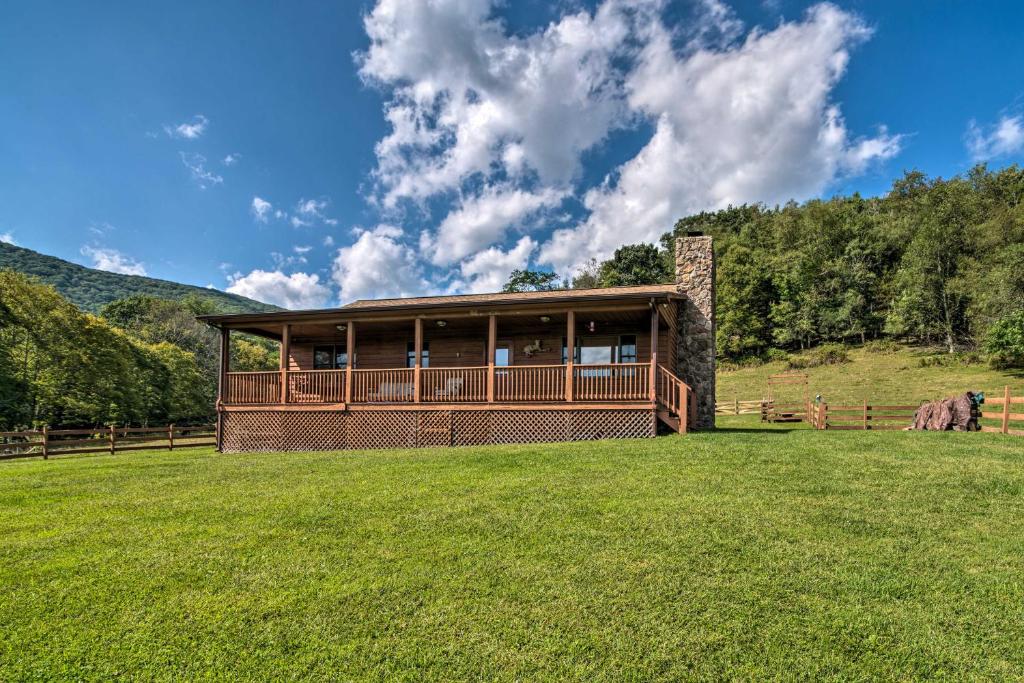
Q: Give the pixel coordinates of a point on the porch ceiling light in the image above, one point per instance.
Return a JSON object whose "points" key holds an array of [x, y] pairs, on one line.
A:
{"points": [[341, 328], [442, 323], [545, 318]]}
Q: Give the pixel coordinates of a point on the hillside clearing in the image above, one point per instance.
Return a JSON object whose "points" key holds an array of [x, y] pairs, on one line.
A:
{"points": [[896, 377], [733, 554]]}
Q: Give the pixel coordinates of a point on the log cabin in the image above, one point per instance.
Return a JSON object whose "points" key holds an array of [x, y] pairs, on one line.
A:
{"points": [[564, 365]]}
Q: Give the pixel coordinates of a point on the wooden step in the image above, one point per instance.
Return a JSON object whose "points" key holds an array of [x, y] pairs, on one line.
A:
{"points": [[669, 419]]}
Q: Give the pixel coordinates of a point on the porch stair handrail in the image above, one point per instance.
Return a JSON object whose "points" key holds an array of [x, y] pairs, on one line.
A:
{"points": [[675, 400]]}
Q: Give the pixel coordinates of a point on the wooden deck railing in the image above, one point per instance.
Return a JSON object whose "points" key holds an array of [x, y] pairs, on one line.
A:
{"points": [[512, 384], [676, 396], [531, 383], [612, 382], [252, 388], [453, 385], [383, 386], [316, 386]]}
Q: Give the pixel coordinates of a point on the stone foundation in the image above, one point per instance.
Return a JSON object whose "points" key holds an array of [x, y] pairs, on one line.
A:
{"points": [[695, 278]]}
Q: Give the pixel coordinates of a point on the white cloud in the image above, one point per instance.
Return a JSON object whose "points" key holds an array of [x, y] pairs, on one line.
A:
{"points": [[231, 159], [378, 264], [328, 241], [8, 238], [296, 291], [488, 270], [261, 209], [302, 249], [484, 219], [469, 98], [1005, 137], [752, 122], [196, 164], [112, 260], [189, 130]]}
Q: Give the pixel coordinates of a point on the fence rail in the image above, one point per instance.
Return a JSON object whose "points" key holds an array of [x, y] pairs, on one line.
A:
{"points": [[738, 407], [1005, 415], [51, 442], [865, 416]]}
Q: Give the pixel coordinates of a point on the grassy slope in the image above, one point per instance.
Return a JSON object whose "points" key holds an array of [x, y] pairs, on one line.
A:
{"points": [[740, 553], [91, 289], [895, 377]]}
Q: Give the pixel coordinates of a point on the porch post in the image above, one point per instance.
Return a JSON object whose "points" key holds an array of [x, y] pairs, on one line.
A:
{"points": [[225, 361], [653, 381], [418, 347], [286, 353], [350, 353], [492, 348], [570, 355]]}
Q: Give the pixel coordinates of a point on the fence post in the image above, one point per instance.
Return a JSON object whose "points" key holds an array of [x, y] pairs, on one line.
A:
{"points": [[865, 415], [823, 416], [112, 433], [170, 437], [1006, 410], [46, 443]]}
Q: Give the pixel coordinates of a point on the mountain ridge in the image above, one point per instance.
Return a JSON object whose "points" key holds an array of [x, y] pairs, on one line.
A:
{"points": [[90, 289]]}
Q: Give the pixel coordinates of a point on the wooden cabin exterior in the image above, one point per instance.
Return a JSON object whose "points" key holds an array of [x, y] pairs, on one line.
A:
{"points": [[460, 370]]}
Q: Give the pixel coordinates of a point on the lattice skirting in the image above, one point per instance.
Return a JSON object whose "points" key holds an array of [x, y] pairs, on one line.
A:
{"points": [[269, 430]]}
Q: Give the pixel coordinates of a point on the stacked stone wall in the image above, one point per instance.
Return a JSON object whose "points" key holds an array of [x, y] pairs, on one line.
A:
{"points": [[695, 278]]}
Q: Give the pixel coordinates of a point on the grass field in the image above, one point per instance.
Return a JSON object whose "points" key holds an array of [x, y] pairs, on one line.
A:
{"points": [[880, 377], [742, 553]]}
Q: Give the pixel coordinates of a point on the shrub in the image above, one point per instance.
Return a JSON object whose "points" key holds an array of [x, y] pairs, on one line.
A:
{"points": [[777, 355], [949, 360], [826, 354], [1005, 341], [886, 346]]}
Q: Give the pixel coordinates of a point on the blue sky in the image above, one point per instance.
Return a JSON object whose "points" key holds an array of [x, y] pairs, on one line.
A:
{"points": [[307, 153]]}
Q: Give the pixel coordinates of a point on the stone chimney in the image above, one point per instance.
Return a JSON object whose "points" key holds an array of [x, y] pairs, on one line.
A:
{"points": [[695, 278]]}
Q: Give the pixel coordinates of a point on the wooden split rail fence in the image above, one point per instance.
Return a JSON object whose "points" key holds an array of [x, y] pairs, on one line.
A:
{"points": [[1009, 421], [863, 416], [738, 407], [52, 442]]}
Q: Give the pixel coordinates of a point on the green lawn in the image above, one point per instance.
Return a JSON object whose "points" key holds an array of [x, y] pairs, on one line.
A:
{"points": [[878, 377], [741, 553]]}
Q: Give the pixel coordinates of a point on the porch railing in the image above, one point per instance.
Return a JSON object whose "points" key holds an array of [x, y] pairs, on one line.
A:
{"points": [[532, 383], [316, 386], [252, 387], [383, 386], [453, 385], [512, 384], [612, 382]]}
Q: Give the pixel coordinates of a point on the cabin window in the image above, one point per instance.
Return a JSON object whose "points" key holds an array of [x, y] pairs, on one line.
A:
{"points": [[329, 357], [591, 351], [410, 355], [627, 348], [502, 356]]}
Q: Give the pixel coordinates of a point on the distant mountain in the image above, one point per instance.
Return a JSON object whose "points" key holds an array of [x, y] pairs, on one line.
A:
{"points": [[91, 289]]}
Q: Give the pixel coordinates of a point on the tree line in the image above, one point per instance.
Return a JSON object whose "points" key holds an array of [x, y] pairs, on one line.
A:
{"points": [[142, 360], [935, 261]]}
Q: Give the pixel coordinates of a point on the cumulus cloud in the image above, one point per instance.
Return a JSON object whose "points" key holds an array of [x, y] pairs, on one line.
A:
{"points": [[1004, 137], [231, 159], [484, 219], [112, 260], [751, 122], [488, 270], [8, 238], [470, 98], [378, 264], [189, 130], [295, 291], [261, 209], [196, 164]]}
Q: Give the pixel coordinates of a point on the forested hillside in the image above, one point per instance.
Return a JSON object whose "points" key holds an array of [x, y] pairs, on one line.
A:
{"points": [[91, 289], [938, 262], [142, 361]]}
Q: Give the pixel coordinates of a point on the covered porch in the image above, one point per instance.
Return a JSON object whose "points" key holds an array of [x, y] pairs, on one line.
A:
{"points": [[623, 354]]}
